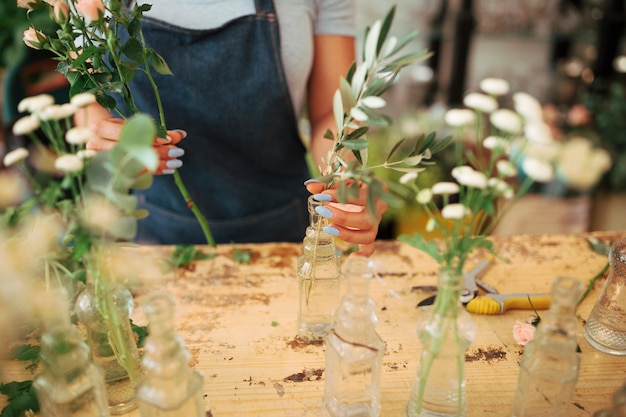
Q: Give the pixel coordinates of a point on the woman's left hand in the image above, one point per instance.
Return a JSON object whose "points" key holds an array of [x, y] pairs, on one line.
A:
{"points": [[350, 221]]}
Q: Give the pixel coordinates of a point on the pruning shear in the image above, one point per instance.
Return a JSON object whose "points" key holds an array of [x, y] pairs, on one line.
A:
{"points": [[492, 302]]}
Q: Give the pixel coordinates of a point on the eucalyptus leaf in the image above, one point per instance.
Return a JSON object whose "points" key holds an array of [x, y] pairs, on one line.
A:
{"points": [[136, 140]]}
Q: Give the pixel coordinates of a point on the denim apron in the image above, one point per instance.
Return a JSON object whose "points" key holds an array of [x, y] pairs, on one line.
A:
{"points": [[244, 162]]}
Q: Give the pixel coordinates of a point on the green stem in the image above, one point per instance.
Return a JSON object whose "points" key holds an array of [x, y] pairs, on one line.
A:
{"points": [[592, 282], [194, 209]]}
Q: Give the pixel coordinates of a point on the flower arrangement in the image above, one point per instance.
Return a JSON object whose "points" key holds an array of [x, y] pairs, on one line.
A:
{"points": [[491, 149], [78, 206], [356, 107], [93, 59]]}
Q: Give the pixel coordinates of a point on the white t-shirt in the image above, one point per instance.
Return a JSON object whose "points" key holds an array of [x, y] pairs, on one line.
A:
{"points": [[299, 21]]}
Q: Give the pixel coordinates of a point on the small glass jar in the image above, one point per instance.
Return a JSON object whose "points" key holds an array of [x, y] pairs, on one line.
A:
{"points": [[605, 328], [319, 279], [354, 350], [170, 388]]}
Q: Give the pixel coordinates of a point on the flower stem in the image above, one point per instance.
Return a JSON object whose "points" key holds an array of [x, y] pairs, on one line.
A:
{"points": [[194, 209]]}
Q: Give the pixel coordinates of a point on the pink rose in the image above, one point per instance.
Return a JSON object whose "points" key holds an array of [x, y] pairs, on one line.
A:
{"points": [[523, 332], [33, 38], [27, 4], [92, 10], [578, 115], [61, 12]]}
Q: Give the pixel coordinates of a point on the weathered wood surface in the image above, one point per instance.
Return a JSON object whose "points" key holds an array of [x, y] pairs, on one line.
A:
{"points": [[239, 323]]}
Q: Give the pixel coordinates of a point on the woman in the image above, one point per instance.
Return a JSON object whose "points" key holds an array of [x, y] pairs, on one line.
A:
{"points": [[244, 70]]}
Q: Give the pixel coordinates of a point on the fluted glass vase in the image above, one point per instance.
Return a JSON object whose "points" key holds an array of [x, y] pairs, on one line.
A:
{"points": [[104, 310], [319, 276], [445, 331]]}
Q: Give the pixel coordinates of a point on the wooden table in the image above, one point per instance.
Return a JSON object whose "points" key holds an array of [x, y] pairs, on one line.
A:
{"points": [[239, 323]]}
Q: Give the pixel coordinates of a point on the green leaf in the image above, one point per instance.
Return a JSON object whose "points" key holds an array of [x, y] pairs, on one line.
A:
{"points": [[329, 134], [133, 49], [140, 331], [242, 256], [384, 30], [184, 255], [338, 111], [25, 352], [402, 149], [355, 144], [136, 141], [21, 398], [159, 64], [142, 181], [347, 96]]}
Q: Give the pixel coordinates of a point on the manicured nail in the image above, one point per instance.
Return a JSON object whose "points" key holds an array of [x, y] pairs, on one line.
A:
{"points": [[167, 171], [175, 152], [182, 132], [324, 212], [322, 197], [174, 163], [311, 181], [163, 141], [331, 230]]}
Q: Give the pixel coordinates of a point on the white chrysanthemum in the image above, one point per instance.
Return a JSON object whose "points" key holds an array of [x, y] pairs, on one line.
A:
{"points": [[445, 187], [69, 163], [15, 156], [430, 225], [374, 102], [78, 135], [473, 179], [35, 104], [506, 120], [25, 125], [580, 165], [86, 153], [358, 114], [424, 196], [538, 132], [459, 117], [480, 102], [498, 185], [506, 168], [528, 106], [537, 169], [495, 86], [461, 170], [57, 112], [408, 177], [496, 142], [454, 211], [83, 99]]}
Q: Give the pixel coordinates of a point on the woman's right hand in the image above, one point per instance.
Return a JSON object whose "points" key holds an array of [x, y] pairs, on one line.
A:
{"points": [[107, 133]]}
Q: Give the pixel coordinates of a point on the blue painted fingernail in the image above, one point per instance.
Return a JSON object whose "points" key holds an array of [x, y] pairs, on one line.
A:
{"points": [[167, 171], [311, 181], [174, 163], [331, 230], [175, 152], [324, 212], [322, 197], [182, 132]]}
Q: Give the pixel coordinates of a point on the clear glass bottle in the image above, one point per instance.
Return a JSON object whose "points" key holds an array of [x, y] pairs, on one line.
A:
{"points": [[70, 385], [445, 331], [605, 328], [105, 314], [549, 367], [319, 279], [354, 351], [170, 388]]}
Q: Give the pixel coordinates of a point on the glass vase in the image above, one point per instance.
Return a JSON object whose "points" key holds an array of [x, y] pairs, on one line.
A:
{"points": [[354, 350], [319, 279], [549, 367], [605, 328], [171, 388], [104, 311], [445, 331], [69, 385]]}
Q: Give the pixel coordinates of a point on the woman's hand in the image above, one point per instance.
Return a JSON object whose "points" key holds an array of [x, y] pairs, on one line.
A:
{"points": [[349, 222], [107, 133]]}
